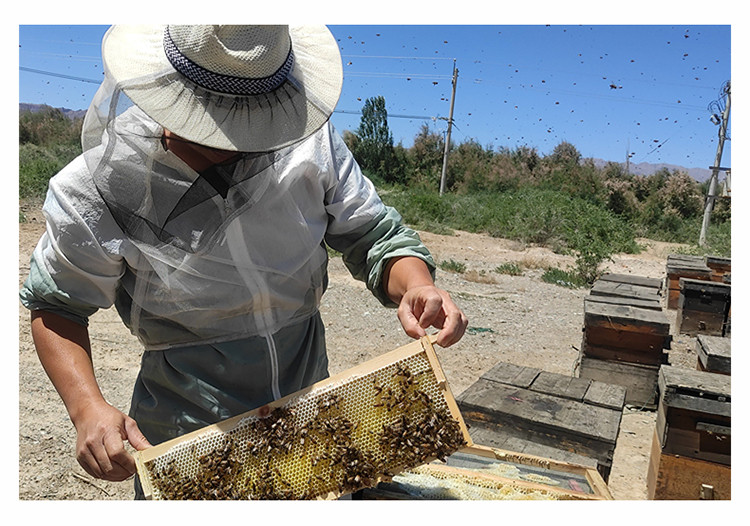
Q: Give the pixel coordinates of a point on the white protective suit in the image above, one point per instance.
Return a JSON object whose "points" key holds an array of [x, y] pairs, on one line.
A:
{"points": [[223, 293]]}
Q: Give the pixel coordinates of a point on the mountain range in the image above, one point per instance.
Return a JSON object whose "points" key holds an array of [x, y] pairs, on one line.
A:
{"points": [[699, 174]]}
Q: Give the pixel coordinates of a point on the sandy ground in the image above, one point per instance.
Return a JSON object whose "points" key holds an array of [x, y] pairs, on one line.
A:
{"points": [[532, 323]]}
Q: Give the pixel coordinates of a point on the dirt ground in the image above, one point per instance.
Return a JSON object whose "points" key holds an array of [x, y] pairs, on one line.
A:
{"points": [[521, 320]]}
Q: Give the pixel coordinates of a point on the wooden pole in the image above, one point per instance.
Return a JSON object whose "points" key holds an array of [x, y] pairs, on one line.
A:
{"points": [[715, 171], [448, 134]]}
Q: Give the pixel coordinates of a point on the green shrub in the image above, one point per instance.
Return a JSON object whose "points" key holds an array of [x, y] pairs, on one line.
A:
{"points": [[510, 268], [453, 266], [564, 278]]}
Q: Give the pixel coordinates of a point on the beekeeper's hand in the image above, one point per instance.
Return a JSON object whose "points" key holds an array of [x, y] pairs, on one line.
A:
{"points": [[64, 349], [421, 304]]}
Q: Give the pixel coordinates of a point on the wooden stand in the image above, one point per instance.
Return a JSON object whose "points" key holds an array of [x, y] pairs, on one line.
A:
{"points": [[559, 415]]}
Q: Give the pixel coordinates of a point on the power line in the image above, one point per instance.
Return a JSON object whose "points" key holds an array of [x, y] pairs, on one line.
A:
{"points": [[53, 74]]}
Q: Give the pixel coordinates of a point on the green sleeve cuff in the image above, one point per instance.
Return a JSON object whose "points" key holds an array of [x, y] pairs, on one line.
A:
{"points": [[366, 251]]}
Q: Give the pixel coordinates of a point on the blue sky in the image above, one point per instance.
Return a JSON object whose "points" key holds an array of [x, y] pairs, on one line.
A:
{"points": [[608, 89]]}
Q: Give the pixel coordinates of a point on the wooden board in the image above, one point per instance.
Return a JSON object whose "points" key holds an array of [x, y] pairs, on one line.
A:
{"points": [[714, 353], [673, 477], [624, 290], [642, 281], [573, 388], [654, 304], [639, 380]]}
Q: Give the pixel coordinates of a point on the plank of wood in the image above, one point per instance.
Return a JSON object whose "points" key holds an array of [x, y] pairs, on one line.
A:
{"points": [[640, 381], [633, 279], [560, 385], [624, 290], [511, 374], [605, 395], [625, 318], [654, 304], [498, 402]]}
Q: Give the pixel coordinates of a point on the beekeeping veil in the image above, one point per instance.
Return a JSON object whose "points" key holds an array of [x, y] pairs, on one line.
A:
{"points": [[251, 89], [257, 90]]}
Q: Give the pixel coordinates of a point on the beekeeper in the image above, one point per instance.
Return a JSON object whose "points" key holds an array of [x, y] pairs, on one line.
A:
{"points": [[210, 182]]}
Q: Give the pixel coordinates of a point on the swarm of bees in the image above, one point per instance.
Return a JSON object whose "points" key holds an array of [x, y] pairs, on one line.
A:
{"points": [[288, 456]]}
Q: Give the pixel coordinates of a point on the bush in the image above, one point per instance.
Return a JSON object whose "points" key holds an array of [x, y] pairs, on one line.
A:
{"points": [[36, 164]]}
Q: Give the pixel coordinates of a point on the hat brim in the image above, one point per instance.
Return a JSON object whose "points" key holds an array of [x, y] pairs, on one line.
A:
{"points": [[134, 56]]}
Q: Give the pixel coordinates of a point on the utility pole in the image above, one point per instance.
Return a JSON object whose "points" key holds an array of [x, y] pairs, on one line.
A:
{"points": [[715, 168], [448, 133]]}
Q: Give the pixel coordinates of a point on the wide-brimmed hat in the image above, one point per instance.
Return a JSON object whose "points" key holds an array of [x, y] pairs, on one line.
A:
{"points": [[242, 88]]}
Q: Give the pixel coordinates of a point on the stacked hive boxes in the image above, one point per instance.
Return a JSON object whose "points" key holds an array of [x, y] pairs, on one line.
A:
{"points": [[625, 335]]}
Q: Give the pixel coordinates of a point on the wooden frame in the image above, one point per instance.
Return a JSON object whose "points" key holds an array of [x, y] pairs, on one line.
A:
{"points": [[380, 363], [599, 489]]}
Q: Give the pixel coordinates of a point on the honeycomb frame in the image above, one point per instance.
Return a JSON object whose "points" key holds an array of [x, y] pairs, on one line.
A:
{"points": [[345, 433]]}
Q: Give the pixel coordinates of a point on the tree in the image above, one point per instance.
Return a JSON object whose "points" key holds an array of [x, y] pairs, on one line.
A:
{"points": [[374, 149]]}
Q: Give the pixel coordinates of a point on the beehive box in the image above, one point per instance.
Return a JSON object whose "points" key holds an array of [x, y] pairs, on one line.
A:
{"points": [[703, 307], [485, 473], [714, 354], [691, 451], [719, 266], [625, 333], [337, 436], [553, 415], [683, 266]]}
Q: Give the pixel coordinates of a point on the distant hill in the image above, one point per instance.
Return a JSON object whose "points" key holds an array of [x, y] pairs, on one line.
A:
{"points": [[34, 108], [699, 174]]}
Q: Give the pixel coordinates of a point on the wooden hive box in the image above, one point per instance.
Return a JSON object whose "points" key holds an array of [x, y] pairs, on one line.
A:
{"points": [[703, 307], [714, 354], [485, 473], [683, 266], [691, 450], [719, 266], [541, 413], [342, 434], [625, 333]]}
